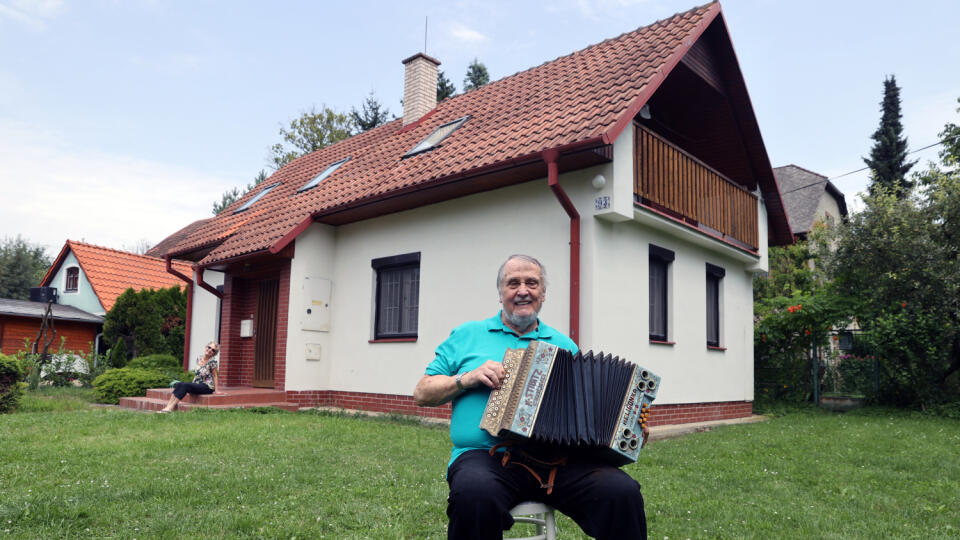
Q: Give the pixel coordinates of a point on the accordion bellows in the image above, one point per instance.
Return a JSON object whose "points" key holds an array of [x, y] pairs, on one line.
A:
{"points": [[585, 401]]}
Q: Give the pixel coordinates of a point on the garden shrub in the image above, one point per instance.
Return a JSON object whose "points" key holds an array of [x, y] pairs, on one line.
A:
{"points": [[126, 382], [161, 363], [10, 388]]}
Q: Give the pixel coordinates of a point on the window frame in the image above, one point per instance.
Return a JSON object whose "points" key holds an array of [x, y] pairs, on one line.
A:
{"points": [[395, 263], [714, 274], [256, 198], [659, 257], [422, 146], [66, 280], [326, 173]]}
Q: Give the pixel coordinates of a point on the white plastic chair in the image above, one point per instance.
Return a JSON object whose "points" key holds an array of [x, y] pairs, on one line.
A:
{"points": [[540, 515]]}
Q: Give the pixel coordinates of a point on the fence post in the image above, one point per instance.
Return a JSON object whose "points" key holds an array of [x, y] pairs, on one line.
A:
{"points": [[815, 362]]}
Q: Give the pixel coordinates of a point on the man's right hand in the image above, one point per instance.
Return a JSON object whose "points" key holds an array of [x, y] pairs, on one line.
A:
{"points": [[490, 374]]}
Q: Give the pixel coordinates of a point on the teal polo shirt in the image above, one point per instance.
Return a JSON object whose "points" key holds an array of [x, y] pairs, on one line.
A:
{"points": [[468, 347]]}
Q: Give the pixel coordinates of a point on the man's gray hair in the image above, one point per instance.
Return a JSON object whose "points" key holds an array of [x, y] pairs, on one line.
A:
{"points": [[527, 259]]}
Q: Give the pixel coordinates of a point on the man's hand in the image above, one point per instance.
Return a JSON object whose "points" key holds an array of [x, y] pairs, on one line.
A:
{"points": [[490, 374]]}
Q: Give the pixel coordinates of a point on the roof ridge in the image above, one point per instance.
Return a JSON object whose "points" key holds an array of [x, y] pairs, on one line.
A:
{"points": [[104, 248], [802, 169]]}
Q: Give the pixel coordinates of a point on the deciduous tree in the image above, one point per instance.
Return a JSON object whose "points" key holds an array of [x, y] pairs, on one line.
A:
{"points": [[310, 132], [22, 265]]}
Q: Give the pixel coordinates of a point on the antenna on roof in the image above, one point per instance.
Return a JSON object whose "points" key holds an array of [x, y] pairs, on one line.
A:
{"points": [[425, 21]]}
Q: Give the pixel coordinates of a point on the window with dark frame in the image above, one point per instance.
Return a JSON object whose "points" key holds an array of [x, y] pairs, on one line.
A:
{"points": [[434, 139], [398, 296], [73, 280], [714, 276], [315, 181], [660, 260], [256, 198]]}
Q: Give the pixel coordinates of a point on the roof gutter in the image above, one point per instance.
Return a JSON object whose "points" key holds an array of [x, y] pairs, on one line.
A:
{"points": [[553, 180]]}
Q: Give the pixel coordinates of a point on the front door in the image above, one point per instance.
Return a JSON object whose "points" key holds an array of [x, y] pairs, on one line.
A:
{"points": [[265, 343]]}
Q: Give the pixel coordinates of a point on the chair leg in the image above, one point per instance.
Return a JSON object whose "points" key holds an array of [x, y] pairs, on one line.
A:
{"points": [[551, 526]]}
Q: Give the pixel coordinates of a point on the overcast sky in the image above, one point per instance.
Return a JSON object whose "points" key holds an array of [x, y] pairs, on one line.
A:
{"points": [[123, 121]]}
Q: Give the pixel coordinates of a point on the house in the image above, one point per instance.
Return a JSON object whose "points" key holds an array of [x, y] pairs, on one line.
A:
{"points": [[809, 198], [91, 277], [21, 321], [634, 169]]}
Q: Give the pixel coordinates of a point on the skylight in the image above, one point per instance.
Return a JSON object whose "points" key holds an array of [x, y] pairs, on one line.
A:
{"points": [[322, 176], [256, 198], [438, 135]]}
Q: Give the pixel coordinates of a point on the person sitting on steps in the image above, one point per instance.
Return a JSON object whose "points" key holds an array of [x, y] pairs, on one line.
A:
{"points": [[207, 380]]}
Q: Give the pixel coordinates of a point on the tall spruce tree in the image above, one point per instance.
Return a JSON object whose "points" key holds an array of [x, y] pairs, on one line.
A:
{"points": [[888, 157], [371, 113], [477, 76], [445, 88]]}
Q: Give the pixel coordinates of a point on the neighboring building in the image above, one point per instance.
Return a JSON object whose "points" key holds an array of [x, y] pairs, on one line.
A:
{"points": [[91, 277], [634, 169], [809, 198], [21, 321]]}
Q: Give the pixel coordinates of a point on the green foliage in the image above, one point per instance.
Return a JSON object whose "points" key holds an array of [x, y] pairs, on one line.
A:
{"points": [[166, 364], [56, 399], [888, 156], [126, 382], [851, 375], [477, 76], [146, 322], [118, 356], [11, 389], [22, 265], [445, 88], [232, 195], [310, 132], [370, 115]]}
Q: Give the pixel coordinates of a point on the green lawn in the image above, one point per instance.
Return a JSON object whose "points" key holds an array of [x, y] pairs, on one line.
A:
{"points": [[81, 471]]}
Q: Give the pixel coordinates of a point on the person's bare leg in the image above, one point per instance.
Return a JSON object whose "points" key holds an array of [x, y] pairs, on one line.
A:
{"points": [[171, 405]]}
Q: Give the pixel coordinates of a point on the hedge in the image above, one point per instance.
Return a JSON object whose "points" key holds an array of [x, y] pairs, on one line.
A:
{"points": [[10, 388], [161, 363], [126, 382]]}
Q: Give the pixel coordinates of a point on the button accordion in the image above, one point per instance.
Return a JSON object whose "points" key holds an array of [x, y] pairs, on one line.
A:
{"points": [[587, 402]]}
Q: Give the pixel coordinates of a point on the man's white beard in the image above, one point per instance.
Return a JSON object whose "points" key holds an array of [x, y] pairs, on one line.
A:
{"points": [[521, 322]]}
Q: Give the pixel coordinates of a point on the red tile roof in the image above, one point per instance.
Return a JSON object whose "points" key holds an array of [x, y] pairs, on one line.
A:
{"points": [[169, 242], [111, 272], [588, 96]]}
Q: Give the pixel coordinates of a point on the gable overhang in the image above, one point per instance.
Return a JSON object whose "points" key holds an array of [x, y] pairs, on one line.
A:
{"points": [[55, 266]]}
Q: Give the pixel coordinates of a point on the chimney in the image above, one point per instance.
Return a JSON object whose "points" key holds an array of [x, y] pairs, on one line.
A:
{"points": [[419, 87]]}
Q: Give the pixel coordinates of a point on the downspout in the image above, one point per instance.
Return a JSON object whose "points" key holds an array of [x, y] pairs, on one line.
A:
{"points": [[553, 180], [187, 324]]}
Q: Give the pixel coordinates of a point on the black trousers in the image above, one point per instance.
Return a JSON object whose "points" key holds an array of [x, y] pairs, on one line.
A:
{"points": [[183, 388], [603, 500]]}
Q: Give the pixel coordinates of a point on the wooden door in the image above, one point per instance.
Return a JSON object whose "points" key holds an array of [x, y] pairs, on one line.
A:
{"points": [[265, 341]]}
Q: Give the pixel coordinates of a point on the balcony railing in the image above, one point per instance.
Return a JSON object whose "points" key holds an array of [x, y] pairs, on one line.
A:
{"points": [[672, 181]]}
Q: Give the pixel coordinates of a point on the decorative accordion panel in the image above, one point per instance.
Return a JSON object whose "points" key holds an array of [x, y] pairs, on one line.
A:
{"points": [[587, 401]]}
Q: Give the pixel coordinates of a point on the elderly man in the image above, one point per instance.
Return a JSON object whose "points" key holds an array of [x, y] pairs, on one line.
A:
{"points": [[603, 500]]}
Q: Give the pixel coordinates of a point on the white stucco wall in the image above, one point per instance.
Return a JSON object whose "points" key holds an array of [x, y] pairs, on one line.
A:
{"points": [[205, 318], [828, 211], [84, 298]]}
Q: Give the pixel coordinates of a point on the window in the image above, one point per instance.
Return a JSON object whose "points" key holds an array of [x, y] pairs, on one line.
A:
{"points": [[398, 296], [323, 175], [714, 276], [434, 139], [256, 198], [73, 280], [660, 260]]}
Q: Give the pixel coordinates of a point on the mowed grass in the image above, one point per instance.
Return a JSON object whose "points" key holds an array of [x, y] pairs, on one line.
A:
{"points": [[103, 472]]}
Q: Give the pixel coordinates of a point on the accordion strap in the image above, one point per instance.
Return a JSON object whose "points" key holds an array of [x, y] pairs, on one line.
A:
{"points": [[507, 460]]}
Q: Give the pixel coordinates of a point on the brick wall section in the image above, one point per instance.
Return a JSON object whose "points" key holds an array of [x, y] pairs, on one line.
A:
{"points": [[13, 330], [393, 403], [239, 303]]}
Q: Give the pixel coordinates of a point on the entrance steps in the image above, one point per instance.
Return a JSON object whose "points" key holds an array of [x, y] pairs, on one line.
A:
{"points": [[232, 398]]}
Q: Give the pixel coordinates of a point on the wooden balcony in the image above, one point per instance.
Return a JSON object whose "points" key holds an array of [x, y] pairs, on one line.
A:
{"points": [[673, 182]]}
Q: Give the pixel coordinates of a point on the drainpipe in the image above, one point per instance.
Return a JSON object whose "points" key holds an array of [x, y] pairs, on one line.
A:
{"points": [[187, 323], [553, 180]]}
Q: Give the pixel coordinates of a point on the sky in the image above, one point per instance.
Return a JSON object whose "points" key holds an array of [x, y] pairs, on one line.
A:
{"points": [[122, 121]]}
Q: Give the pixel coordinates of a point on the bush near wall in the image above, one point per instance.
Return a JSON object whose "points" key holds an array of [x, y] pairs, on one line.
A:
{"points": [[126, 382], [10, 387], [161, 363]]}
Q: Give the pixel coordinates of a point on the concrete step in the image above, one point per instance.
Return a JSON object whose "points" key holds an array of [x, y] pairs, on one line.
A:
{"points": [[233, 398]]}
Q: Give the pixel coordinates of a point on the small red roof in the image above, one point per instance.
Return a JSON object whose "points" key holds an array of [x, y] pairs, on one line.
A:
{"points": [[585, 98], [111, 271]]}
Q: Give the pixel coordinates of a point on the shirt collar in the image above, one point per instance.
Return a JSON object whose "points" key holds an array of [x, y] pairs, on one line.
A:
{"points": [[495, 324]]}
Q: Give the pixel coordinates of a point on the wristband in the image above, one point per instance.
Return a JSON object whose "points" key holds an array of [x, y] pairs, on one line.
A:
{"points": [[459, 383]]}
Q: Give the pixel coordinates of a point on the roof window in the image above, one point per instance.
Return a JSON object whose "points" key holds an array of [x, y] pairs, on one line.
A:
{"points": [[256, 198], [322, 176], [438, 135]]}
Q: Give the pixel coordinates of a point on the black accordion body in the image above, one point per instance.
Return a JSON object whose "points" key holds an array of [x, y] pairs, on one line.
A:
{"points": [[585, 401]]}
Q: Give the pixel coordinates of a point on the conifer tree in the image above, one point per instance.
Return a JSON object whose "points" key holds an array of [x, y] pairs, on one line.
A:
{"points": [[888, 157], [445, 88], [371, 114], [477, 76]]}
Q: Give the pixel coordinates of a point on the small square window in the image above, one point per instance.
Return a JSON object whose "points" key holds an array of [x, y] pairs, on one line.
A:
{"points": [[323, 175], [72, 283], [256, 198], [434, 139], [398, 296]]}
